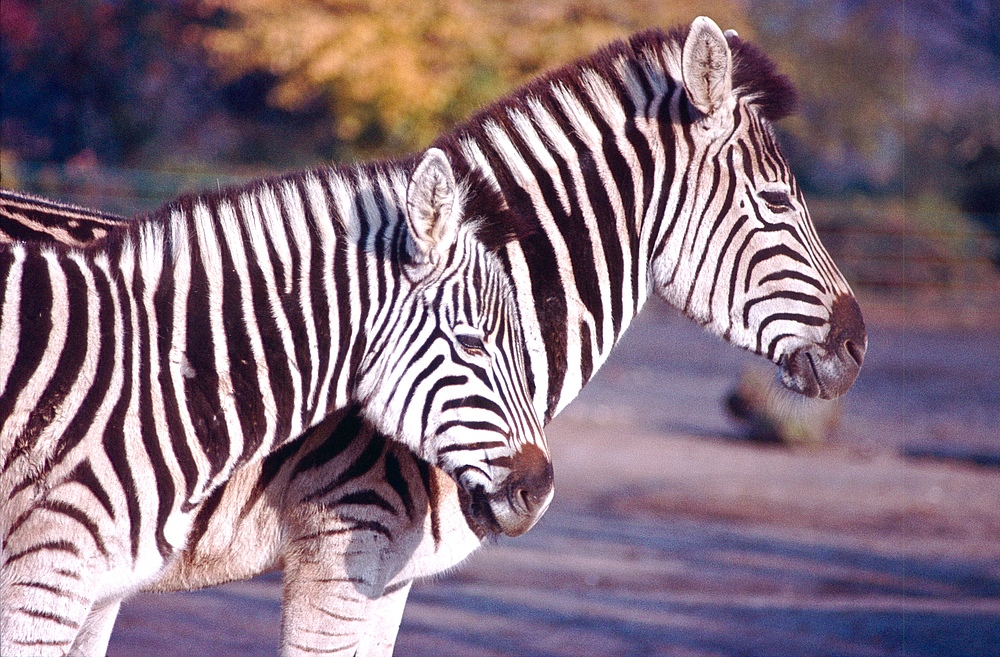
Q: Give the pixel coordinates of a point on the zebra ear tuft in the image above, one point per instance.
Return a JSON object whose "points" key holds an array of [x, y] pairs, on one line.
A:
{"points": [[431, 205], [707, 65]]}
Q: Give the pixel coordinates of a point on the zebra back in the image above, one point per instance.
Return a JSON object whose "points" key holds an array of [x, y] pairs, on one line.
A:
{"points": [[28, 218]]}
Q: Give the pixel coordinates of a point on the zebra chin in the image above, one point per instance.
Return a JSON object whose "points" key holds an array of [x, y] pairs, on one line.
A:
{"points": [[829, 369], [515, 504]]}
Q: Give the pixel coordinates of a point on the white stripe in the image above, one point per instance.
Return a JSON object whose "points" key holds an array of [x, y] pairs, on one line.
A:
{"points": [[152, 250], [538, 364], [96, 430], [31, 394], [211, 259], [606, 101], [253, 222], [84, 379], [274, 225], [343, 199], [328, 246], [179, 366], [139, 462], [234, 240], [591, 137], [10, 320], [300, 235]]}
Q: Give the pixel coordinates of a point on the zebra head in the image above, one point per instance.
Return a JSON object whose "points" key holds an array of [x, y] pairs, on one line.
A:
{"points": [[742, 257], [452, 382]]}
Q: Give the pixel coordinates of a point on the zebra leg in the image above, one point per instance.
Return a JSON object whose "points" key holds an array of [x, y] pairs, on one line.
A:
{"points": [[38, 617], [323, 612], [382, 623], [354, 548], [96, 631]]}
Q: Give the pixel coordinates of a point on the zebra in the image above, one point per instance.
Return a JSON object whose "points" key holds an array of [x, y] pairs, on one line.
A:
{"points": [[28, 218], [219, 329], [648, 167]]}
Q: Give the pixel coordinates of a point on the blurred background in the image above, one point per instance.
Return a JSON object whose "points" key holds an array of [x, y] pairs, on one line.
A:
{"points": [[876, 533]]}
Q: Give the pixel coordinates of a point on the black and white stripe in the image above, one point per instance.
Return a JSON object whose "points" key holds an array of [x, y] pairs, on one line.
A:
{"points": [[635, 182], [141, 371]]}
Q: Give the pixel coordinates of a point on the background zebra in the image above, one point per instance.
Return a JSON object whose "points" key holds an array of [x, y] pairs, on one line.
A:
{"points": [[24, 217], [216, 330], [650, 166]]}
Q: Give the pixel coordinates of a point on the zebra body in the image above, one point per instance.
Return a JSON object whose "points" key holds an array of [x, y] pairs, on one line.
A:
{"points": [[649, 167], [139, 373]]}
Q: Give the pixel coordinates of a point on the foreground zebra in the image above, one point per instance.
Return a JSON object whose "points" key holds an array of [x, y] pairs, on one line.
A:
{"points": [[141, 372], [649, 166]]}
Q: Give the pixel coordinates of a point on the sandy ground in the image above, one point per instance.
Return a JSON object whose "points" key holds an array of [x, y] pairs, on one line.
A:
{"points": [[670, 535]]}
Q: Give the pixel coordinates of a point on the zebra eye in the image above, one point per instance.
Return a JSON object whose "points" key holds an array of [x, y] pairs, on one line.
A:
{"points": [[778, 202], [471, 343]]}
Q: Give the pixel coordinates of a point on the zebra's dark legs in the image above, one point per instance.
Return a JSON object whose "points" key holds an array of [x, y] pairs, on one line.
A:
{"points": [[96, 631]]}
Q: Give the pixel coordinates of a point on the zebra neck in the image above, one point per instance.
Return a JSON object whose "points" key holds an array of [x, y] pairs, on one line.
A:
{"points": [[591, 156], [254, 307]]}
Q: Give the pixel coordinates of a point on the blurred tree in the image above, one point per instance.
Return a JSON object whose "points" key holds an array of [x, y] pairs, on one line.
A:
{"points": [[849, 61], [398, 72], [129, 83]]}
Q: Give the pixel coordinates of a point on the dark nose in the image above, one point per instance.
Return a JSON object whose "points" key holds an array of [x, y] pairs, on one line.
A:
{"points": [[526, 492], [848, 337], [829, 369]]}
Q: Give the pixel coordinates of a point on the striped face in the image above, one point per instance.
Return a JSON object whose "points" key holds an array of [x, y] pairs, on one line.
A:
{"points": [[749, 265], [450, 380]]}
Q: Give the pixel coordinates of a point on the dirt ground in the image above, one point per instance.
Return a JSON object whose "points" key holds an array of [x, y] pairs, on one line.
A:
{"points": [[671, 535]]}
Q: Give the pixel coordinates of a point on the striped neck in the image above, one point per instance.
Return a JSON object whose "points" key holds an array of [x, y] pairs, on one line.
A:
{"points": [[590, 154]]}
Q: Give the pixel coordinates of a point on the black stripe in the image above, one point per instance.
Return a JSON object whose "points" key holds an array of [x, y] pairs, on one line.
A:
{"points": [[36, 325], [114, 439], [782, 294], [398, 481], [364, 463], [70, 361], [54, 546], [84, 475], [77, 514]]}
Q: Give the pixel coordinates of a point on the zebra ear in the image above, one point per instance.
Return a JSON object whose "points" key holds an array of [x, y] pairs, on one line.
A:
{"points": [[431, 204], [707, 65]]}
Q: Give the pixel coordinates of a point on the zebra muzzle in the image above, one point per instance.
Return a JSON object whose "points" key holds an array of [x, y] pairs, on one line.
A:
{"points": [[516, 503], [829, 369]]}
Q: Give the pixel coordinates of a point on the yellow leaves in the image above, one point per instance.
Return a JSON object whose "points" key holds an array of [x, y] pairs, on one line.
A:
{"points": [[408, 69]]}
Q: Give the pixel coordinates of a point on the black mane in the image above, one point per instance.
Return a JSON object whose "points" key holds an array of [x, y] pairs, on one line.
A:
{"points": [[755, 77]]}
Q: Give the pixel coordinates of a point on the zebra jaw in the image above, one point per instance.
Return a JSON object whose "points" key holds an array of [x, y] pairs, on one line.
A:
{"points": [[828, 370]]}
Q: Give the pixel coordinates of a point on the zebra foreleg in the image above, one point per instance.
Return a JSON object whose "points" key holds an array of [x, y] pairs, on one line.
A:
{"points": [[96, 631], [382, 624], [323, 610], [44, 598]]}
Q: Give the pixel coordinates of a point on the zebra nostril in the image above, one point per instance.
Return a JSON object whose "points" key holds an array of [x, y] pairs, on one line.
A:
{"points": [[524, 497], [856, 353]]}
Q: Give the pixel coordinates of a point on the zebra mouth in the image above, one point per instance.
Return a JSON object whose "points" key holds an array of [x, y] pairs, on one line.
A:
{"points": [[478, 513], [516, 504], [828, 370]]}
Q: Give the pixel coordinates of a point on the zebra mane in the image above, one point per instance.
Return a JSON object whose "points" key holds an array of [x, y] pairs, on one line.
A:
{"points": [[485, 212], [755, 77]]}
